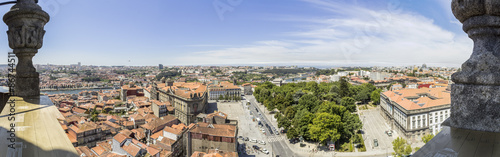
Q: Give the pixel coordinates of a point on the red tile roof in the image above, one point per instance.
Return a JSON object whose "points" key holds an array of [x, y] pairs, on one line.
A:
{"points": [[120, 137]]}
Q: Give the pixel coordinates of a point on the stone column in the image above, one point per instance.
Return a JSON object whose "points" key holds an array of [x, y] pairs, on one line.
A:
{"points": [[475, 98], [26, 21]]}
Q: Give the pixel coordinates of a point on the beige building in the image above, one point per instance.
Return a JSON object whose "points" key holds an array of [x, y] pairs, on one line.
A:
{"points": [[223, 90], [188, 99], [204, 136], [416, 112]]}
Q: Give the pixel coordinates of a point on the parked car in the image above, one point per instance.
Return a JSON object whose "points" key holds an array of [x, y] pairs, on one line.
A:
{"points": [[253, 140], [264, 150], [262, 142], [277, 133], [240, 137], [246, 139], [255, 147], [375, 142], [284, 131]]}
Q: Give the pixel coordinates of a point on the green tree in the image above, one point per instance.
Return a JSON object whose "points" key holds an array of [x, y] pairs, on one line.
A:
{"points": [[427, 138], [291, 133], [302, 121], [348, 103], [290, 112], [344, 87], [351, 124], [308, 102], [325, 127], [375, 96], [401, 148], [363, 95], [221, 97]]}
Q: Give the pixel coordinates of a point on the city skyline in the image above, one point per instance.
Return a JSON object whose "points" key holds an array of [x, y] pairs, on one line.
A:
{"points": [[304, 33]]}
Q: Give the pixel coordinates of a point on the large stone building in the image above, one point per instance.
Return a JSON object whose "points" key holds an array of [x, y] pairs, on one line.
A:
{"points": [[416, 112], [87, 133], [204, 136], [224, 90], [159, 108], [129, 90], [188, 99], [247, 89]]}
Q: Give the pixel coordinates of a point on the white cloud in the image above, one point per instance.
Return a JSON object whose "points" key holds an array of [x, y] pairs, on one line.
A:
{"points": [[357, 36]]}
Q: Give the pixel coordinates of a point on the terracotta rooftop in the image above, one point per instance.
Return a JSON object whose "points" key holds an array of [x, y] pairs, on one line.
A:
{"points": [[172, 130], [218, 114], [99, 150], [223, 130], [412, 99], [131, 149], [186, 90], [84, 150], [120, 137], [156, 123], [152, 151]]}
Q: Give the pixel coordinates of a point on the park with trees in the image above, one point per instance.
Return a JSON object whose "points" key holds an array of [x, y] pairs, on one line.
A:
{"points": [[319, 112]]}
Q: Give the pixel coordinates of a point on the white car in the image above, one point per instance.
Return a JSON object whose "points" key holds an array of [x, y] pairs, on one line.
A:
{"points": [[262, 142], [264, 150], [253, 140]]}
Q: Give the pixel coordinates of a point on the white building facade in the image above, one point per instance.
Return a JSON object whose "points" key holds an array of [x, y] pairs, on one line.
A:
{"points": [[416, 112]]}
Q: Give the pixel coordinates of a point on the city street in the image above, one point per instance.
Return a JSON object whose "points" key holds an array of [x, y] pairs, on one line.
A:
{"points": [[246, 127], [278, 142], [373, 123], [374, 127]]}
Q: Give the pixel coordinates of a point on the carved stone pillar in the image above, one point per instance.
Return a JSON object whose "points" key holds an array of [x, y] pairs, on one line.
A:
{"points": [[475, 98], [26, 21]]}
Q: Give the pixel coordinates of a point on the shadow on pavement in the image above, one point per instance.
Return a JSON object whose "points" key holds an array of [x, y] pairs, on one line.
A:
{"points": [[32, 150]]}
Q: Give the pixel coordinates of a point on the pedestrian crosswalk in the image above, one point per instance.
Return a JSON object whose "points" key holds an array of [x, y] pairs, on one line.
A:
{"points": [[275, 138]]}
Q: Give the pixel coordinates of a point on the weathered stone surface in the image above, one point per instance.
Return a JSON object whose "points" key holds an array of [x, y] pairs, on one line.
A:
{"points": [[475, 107], [26, 21]]}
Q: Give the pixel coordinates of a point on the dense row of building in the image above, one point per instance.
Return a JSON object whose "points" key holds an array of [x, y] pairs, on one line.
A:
{"points": [[165, 119]]}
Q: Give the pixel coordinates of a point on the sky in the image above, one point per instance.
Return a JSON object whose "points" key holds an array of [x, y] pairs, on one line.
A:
{"points": [[250, 32]]}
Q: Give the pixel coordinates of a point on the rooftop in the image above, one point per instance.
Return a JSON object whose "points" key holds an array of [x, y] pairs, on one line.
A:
{"points": [[413, 99], [222, 130]]}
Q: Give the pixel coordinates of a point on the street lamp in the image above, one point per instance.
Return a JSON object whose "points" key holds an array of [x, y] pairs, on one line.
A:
{"points": [[26, 21]]}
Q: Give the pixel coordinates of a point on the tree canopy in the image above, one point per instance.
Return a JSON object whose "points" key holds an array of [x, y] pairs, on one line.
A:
{"points": [[316, 111], [401, 148], [325, 127]]}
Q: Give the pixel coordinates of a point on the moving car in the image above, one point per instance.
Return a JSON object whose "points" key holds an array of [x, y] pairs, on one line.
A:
{"points": [[246, 139], [264, 150], [375, 142], [262, 142], [253, 140]]}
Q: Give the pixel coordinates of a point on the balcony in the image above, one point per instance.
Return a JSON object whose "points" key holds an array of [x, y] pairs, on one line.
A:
{"points": [[36, 129]]}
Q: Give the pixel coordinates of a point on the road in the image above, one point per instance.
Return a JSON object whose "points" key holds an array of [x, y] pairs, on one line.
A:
{"points": [[279, 147], [375, 127]]}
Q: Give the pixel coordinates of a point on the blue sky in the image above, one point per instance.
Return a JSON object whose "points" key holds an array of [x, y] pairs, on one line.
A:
{"points": [[250, 32]]}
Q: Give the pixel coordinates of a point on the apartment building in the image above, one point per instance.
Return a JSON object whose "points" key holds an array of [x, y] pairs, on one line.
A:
{"points": [[223, 90], [204, 136], [416, 112]]}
